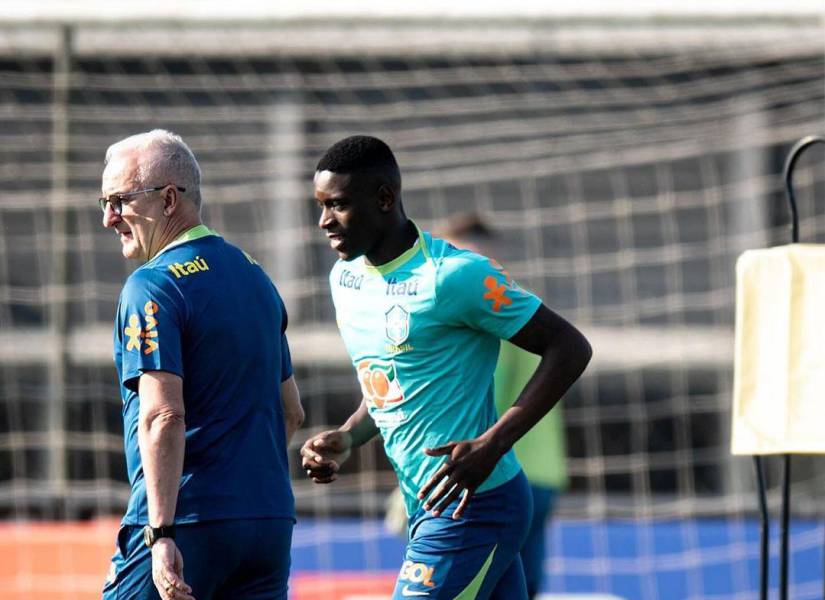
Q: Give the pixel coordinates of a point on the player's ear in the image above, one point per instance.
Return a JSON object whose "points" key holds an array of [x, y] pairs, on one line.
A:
{"points": [[386, 198]]}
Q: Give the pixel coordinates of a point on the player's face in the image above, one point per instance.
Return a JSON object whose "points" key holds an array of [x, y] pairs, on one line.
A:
{"points": [[140, 223], [350, 215]]}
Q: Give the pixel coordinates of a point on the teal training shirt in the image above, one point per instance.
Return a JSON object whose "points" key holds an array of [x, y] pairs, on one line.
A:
{"points": [[423, 334]]}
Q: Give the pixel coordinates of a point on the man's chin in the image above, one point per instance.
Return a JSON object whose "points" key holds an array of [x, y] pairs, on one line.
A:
{"points": [[348, 255], [131, 251], [343, 252]]}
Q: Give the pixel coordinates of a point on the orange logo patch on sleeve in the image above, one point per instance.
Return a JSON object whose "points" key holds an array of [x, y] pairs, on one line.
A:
{"points": [[146, 335], [133, 332], [496, 293]]}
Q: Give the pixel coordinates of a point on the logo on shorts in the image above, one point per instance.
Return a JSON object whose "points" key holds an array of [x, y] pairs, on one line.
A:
{"points": [[406, 591], [137, 335], [379, 382], [417, 573], [397, 322]]}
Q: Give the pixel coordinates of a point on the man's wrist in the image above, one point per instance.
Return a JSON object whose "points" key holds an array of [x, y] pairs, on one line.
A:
{"points": [[151, 535], [346, 432], [497, 442]]}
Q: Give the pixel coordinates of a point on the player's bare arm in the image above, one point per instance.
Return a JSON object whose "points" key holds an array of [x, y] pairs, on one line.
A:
{"points": [[161, 437], [293, 411], [565, 353], [323, 454]]}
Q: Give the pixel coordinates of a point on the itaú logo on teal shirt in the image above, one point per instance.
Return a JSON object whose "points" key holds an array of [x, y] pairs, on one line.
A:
{"points": [[379, 382], [350, 280], [403, 288]]}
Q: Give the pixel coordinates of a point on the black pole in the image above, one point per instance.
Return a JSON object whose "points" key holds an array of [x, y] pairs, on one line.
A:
{"points": [[790, 162], [793, 156], [764, 541], [786, 517]]}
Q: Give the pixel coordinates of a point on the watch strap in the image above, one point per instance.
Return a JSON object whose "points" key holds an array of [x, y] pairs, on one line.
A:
{"points": [[153, 534]]}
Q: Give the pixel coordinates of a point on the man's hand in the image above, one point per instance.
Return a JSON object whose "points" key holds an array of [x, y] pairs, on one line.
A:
{"points": [[468, 464], [167, 571], [322, 455]]}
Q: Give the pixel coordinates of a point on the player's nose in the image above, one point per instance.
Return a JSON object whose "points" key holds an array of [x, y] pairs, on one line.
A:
{"points": [[326, 219]]}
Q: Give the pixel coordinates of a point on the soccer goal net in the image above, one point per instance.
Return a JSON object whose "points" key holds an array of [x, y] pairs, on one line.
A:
{"points": [[623, 167]]}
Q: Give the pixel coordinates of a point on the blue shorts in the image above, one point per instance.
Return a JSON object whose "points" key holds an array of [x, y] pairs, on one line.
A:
{"points": [[244, 559], [533, 551], [474, 557]]}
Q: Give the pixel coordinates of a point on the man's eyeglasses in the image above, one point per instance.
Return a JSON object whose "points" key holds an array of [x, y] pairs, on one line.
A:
{"points": [[118, 200]]}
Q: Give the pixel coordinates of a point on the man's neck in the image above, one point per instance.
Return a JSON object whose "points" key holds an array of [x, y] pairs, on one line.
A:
{"points": [[397, 240], [172, 231]]}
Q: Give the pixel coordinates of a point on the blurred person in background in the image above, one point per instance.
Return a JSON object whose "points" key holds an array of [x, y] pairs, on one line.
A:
{"points": [[209, 400], [422, 321]]}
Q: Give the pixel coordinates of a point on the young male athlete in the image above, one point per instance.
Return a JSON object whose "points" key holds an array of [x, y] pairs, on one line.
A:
{"points": [[422, 321], [209, 401]]}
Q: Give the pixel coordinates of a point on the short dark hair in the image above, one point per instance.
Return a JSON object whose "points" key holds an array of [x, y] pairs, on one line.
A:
{"points": [[359, 153]]}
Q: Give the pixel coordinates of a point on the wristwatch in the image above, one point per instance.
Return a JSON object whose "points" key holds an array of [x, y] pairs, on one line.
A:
{"points": [[153, 534]]}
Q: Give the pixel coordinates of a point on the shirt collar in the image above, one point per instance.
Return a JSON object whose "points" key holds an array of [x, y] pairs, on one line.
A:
{"points": [[404, 257]]}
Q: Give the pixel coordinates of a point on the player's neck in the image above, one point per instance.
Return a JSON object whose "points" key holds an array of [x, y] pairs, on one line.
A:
{"points": [[397, 240]]}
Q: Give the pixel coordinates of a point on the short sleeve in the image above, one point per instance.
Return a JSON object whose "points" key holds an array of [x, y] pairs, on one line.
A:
{"points": [[150, 322], [477, 292]]}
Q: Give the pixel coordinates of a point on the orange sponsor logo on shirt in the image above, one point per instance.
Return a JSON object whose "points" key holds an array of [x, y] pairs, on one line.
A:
{"points": [[496, 293], [379, 382], [137, 335]]}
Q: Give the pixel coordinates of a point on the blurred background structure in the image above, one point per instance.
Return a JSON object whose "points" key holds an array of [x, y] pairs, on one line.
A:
{"points": [[625, 158]]}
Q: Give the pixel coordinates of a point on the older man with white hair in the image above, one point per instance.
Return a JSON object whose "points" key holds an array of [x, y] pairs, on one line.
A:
{"points": [[209, 400]]}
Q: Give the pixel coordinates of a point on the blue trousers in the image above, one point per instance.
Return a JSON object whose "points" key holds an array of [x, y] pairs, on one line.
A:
{"points": [[233, 560]]}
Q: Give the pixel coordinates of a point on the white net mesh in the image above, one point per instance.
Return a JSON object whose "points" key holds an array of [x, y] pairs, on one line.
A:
{"points": [[623, 179]]}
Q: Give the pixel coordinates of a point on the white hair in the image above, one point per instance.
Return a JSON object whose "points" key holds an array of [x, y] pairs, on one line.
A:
{"points": [[163, 157]]}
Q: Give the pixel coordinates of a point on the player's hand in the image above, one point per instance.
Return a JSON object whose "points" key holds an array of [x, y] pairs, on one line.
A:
{"points": [[467, 465], [322, 455], [167, 571]]}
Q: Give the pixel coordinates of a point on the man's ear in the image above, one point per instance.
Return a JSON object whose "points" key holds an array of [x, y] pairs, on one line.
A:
{"points": [[386, 198], [171, 200]]}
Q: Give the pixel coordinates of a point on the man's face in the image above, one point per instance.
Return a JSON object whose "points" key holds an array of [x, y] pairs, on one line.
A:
{"points": [[139, 224], [350, 214]]}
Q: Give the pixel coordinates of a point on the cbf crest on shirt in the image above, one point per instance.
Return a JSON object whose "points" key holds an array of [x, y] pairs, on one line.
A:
{"points": [[423, 334], [397, 319]]}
